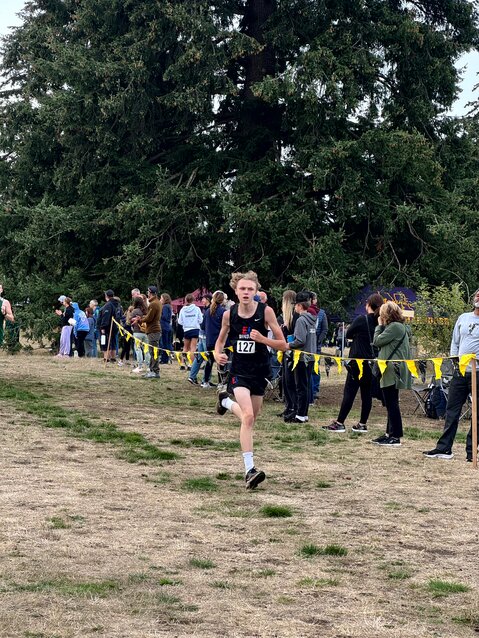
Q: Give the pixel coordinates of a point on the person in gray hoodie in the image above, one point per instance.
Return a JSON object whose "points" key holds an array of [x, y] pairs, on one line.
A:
{"points": [[303, 339]]}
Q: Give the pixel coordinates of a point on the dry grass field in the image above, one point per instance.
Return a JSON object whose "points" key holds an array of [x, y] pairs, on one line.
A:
{"points": [[124, 515]]}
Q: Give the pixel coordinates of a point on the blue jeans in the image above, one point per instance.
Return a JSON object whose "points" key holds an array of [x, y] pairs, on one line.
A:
{"points": [[167, 344], [195, 368]]}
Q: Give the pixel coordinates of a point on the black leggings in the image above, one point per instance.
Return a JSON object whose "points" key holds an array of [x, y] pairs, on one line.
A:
{"points": [[391, 399], [80, 342], [351, 388]]}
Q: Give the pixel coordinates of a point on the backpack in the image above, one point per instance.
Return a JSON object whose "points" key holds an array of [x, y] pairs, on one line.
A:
{"points": [[436, 402], [118, 314]]}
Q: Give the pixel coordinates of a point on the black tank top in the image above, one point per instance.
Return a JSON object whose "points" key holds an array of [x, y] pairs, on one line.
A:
{"points": [[250, 359]]}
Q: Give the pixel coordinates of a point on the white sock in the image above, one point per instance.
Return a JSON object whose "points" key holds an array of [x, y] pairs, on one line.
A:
{"points": [[227, 403], [248, 461]]}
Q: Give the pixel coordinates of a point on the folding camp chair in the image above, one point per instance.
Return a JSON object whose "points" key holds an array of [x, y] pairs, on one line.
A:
{"points": [[273, 391], [421, 392]]}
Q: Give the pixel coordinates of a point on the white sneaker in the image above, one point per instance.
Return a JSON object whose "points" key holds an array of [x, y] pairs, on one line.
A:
{"points": [[137, 370], [120, 363], [206, 385]]}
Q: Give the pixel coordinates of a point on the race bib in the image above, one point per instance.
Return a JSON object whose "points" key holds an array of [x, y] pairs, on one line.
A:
{"points": [[245, 346]]}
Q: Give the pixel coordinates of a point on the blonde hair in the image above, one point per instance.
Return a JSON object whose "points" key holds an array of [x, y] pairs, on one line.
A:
{"points": [[250, 276], [287, 308], [390, 312]]}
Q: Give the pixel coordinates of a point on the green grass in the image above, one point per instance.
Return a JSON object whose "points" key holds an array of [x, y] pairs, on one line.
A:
{"points": [[133, 447], [264, 573], [392, 506], [167, 599], [57, 522], [307, 551], [168, 581], [202, 563], [318, 437], [276, 511], [223, 476], [323, 485], [222, 584], [200, 484], [335, 550], [444, 587], [469, 618], [399, 574], [69, 588]]}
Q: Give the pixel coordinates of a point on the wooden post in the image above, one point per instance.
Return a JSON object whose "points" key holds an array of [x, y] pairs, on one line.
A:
{"points": [[474, 412]]}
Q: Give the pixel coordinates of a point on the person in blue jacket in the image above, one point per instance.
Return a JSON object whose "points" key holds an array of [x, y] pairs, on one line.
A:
{"points": [[212, 326], [81, 328]]}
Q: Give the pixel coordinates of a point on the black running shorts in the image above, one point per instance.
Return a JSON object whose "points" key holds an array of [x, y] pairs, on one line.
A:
{"points": [[256, 386]]}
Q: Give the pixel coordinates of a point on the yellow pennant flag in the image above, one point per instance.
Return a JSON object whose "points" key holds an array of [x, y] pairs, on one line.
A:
{"points": [[120, 329], [464, 361], [230, 348], [360, 366], [168, 352], [279, 356], [189, 356], [178, 357], [155, 352], [128, 336], [204, 356], [316, 364], [382, 365], [296, 355], [339, 364], [411, 366], [145, 348], [437, 367]]}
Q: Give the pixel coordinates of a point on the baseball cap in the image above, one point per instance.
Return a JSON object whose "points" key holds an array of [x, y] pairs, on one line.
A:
{"points": [[62, 298], [109, 293], [153, 290]]}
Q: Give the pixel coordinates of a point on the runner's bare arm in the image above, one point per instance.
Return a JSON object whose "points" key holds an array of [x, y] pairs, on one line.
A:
{"points": [[278, 343], [7, 311], [219, 355]]}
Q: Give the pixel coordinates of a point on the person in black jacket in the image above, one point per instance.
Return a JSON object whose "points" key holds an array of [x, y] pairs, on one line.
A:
{"points": [[361, 332], [109, 329]]}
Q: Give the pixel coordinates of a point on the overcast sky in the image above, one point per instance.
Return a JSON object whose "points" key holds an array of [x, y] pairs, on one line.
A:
{"points": [[469, 62]]}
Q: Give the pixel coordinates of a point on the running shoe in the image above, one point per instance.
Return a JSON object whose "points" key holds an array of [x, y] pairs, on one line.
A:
{"points": [[334, 427], [391, 441], [219, 407], [439, 454], [253, 478], [361, 428], [193, 381]]}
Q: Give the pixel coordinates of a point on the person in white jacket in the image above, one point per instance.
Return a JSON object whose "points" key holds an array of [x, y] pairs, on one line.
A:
{"points": [[190, 319]]}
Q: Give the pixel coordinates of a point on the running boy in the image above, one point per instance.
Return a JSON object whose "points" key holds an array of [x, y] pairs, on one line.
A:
{"points": [[246, 324]]}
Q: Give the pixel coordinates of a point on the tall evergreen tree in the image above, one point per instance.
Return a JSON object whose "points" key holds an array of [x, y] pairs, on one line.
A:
{"points": [[176, 140]]}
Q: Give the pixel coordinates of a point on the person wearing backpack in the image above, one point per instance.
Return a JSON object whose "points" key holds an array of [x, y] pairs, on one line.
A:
{"points": [[111, 310], [392, 338]]}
